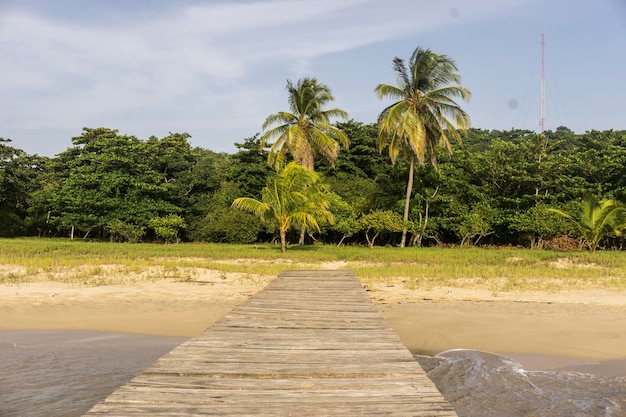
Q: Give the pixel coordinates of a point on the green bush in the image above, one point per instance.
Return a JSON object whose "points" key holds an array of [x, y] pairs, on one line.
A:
{"points": [[167, 227]]}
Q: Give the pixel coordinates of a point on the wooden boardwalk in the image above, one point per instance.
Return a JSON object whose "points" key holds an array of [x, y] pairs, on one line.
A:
{"points": [[310, 344]]}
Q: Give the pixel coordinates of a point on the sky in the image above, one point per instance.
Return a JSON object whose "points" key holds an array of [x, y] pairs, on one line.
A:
{"points": [[217, 68]]}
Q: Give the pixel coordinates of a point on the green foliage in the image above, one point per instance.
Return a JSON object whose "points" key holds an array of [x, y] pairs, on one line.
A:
{"points": [[346, 218], [129, 232], [494, 190], [425, 114], [294, 197], [249, 169], [596, 220], [106, 178], [220, 223], [306, 131], [379, 221], [167, 227], [536, 225], [477, 223], [18, 181], [225, 225], [361, 159]]}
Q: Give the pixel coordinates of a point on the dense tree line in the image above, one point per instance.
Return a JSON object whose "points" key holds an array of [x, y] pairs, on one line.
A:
{"points": [[396, 182], [498, 188]]}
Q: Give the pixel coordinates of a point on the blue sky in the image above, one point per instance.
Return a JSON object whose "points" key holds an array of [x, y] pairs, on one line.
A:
{"points": [[217, 69]]}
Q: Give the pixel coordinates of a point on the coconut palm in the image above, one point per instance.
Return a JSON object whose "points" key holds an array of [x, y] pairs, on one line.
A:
{"points": [[425, 113], [305, 131], [597, 219], [293, 197]]}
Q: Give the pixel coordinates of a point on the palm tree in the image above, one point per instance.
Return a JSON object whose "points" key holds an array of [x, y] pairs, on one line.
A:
{"points": [[305, 131], [293, 197], [597, 219], [425, 114]]}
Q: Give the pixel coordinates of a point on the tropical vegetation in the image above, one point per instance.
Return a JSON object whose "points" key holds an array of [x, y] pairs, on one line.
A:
{"points": [[596, 220], [294, 196], [425, 114], [306, 131], [515, 188]]}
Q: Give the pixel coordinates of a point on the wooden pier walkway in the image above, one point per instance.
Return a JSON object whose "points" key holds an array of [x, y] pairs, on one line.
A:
{"points": [[310, 344]]}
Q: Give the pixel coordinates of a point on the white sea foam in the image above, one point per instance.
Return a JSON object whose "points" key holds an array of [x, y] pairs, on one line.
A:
{"points": [[483, 384]]}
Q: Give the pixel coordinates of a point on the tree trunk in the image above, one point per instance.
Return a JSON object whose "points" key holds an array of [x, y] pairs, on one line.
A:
{"points": [[302, 236], [370, 242], [407, 201], [283, 241]]}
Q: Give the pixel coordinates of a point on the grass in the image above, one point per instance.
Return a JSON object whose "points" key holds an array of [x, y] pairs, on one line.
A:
{"points": [[496, 270]]}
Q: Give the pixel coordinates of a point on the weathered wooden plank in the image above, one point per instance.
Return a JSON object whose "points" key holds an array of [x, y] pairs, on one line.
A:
{"points": [[310, 344]]}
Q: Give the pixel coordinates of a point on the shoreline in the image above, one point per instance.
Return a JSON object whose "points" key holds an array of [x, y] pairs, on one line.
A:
{"points": [[585, 326]]}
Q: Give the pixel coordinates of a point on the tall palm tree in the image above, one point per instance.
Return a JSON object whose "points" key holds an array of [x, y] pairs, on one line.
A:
{"points": [[596, 220], [293, 197], [425, 114], [305, 131]]}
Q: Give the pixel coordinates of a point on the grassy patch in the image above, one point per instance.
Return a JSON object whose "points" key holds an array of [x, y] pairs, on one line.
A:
{"points": [[496, 270]]}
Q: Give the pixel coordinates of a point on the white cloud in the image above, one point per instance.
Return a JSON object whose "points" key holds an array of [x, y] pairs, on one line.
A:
{"points": [[219, 56]]}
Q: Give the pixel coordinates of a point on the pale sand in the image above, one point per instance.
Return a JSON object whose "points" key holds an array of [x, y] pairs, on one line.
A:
{"points": [[587, 325]]}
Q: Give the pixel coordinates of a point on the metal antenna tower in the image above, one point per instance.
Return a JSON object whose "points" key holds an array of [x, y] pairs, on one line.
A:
{"points": [[542, 121]]}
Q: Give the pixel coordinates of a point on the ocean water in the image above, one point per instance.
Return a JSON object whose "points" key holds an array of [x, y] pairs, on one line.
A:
{"points": [[64, 373], [482, 384]]}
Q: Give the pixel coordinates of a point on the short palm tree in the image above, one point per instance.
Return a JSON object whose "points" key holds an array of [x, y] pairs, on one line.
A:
{"points": [[305, 131], [597, 219], [293, 197], [425, 113]]}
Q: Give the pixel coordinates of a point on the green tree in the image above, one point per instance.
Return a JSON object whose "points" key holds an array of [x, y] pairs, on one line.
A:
{"points": [[294, 197], [425, 114], [346, 218], [127, 231], [167, 227], [536, 225], [476, 223], [249, 168], [305, 131], [596, 220], [379, 221], [210, 184], [19, 179], [362, 158], [220, 223], [107, 178]]}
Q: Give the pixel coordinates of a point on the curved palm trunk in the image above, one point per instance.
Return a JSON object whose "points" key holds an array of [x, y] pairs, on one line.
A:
{"points": [[407, 201]]}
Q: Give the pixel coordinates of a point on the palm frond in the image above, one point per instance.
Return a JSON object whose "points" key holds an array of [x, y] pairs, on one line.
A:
{"points": [[258, 208], [300, 131], [430, 114], [391, 91]]}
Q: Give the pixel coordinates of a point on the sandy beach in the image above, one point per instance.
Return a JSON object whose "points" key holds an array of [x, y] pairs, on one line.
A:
{"points": [[586, 325], [69, 345]]}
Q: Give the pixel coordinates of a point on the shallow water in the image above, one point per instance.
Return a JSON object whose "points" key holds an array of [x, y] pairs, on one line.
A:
{"points": [[481, 384], [64, 373]]}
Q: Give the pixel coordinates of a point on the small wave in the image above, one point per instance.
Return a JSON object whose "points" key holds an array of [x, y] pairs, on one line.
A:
{"points": [[483, 384]]}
